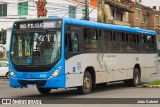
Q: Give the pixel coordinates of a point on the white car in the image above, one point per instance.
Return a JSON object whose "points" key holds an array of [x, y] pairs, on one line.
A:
{"points": [[4, 68]]}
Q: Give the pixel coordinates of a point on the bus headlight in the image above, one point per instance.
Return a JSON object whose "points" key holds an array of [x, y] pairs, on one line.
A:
{"points": [[55, 73], [11, 73]]}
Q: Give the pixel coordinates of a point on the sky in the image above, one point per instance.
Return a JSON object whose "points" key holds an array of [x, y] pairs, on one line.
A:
{"points": [[151, 3]]}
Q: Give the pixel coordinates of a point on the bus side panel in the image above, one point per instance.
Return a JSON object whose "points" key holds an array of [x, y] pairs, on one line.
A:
{"points": [[148, 64], [76, 66], [108, 67], [73, 75]]}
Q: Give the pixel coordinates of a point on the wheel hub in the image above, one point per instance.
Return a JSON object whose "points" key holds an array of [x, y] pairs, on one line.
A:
{"points": [[87, 83]]}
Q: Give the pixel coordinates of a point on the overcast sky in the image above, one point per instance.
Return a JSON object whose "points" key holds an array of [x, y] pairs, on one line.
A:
{"points": [[151, 3]]}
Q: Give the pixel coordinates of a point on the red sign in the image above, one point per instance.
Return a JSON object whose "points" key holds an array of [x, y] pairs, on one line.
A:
{"points": [[41, 11], [93, 3]]}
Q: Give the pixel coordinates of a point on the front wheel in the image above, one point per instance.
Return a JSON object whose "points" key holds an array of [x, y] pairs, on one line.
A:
{"points": [[44, 90], [87, 84]]}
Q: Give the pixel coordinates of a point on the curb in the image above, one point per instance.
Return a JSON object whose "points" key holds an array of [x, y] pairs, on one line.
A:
{"points": [[151, 86]]}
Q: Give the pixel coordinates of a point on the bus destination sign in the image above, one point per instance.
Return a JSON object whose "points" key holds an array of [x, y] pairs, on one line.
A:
{"points": [[37, 24]]}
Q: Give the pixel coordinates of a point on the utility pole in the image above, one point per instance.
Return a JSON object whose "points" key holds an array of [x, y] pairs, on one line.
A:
{"points": [[86, 10], [100, 15]]}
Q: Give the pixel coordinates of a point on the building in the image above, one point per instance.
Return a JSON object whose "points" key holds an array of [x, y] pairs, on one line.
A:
{"points": [[144, 17], [11, 11], [155, 4], [113, 12]]}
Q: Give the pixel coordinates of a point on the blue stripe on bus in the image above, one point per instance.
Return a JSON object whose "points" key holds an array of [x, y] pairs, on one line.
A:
{"points": [[108, 26]]}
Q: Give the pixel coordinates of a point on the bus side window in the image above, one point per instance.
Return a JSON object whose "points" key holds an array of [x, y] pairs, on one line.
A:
{"points": [[154, 43], [107, 35], [150, 43], [74, 42], [91, 39], [66, 43], [142, 43], [131, 47], [71, 42]]}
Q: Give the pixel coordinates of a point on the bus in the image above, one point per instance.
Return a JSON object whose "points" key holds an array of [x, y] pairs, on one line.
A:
{"points": [[70, 53]]}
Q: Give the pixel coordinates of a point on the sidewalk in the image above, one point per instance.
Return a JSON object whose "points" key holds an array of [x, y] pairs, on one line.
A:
{"points": [[151, 78]]}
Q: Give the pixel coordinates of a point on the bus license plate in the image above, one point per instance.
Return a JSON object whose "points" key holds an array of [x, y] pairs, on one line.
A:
{"points": [[31, 85]]}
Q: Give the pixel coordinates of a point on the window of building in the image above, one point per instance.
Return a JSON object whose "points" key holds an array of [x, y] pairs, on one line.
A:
{"points": [[144, 19], [113, 13], [83, 14], [157, 20], [137, 13], [23, 8], [72, 11], [119, 15], [3, 9]]}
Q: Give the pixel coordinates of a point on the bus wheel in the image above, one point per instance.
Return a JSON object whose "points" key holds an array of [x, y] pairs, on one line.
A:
{"points": [[44, 90], [87, 84], [136, 77]]}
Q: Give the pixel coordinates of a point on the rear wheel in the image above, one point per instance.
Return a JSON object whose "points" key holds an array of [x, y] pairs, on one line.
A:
{"points": [[44, 90], [136, 77], [87, 84]]}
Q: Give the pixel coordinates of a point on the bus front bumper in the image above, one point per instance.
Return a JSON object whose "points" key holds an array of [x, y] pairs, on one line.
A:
{"points": [[57, 82]]}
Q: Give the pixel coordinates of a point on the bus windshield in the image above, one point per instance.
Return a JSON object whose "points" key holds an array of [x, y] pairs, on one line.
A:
{"points": [[40, 47]]}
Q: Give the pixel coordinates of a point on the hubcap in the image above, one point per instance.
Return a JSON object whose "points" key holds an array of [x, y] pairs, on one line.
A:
{"points": [[87, 83]]}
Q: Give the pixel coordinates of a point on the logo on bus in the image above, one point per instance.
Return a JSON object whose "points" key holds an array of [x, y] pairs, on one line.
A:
{"points": [[28, 60]]}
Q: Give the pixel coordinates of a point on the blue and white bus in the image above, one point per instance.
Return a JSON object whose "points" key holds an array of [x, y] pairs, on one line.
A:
{"points": [[63, 53]]}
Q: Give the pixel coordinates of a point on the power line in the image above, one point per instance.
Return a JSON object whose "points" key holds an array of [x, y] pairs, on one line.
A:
{"points": [[53, 8]]}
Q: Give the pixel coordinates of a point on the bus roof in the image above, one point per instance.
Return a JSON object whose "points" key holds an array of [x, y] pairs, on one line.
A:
{"points": [[108, 26]]}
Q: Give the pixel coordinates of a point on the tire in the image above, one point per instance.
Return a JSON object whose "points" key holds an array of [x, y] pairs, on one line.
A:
{"points": [[44, 90], [87, 84], [136, 79], [7, 75]]}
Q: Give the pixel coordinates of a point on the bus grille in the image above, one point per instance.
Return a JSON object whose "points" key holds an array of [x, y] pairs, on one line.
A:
{"points": [[37, 82]]}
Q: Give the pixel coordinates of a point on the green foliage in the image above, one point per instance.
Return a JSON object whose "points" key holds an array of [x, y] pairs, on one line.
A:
{"points": [[154, 83]]}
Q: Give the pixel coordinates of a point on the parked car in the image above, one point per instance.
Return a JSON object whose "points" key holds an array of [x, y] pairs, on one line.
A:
{"points": [[4, 69]]}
